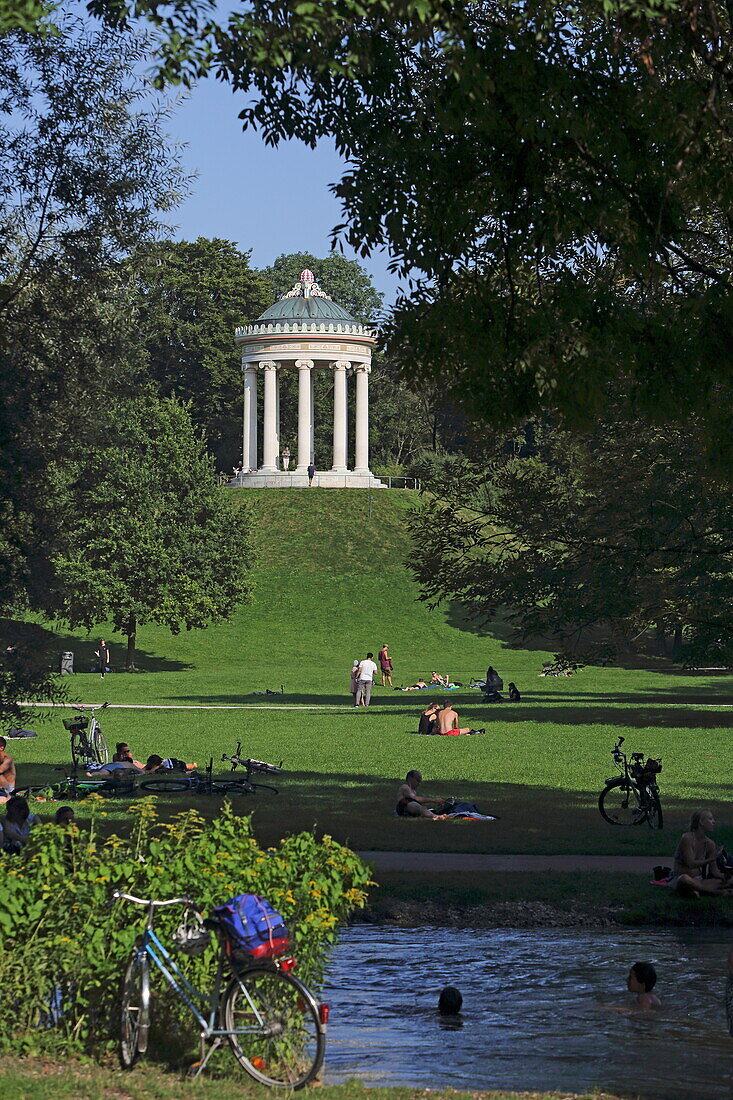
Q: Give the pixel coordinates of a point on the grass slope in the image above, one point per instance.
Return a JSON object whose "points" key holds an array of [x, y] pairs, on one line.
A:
{"points": [[330, 583]]}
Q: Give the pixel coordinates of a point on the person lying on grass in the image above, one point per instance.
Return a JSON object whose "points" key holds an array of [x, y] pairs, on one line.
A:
{"points": [[695, 869], [123, 754], [448, 722], [153, 764], [417, 686], [410, 804]]}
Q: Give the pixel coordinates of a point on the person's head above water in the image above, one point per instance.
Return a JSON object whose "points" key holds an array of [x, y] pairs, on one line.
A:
{"points": [[642, 978], [413, 778], [450, 1001]]}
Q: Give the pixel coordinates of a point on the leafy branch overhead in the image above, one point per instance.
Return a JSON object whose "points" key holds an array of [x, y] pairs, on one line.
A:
{"points": [[556, 179]]}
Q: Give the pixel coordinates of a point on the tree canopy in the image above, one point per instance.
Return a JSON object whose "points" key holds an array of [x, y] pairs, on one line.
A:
{"points": [[145, 533], [556, 179], [189, 297], [594, 541]]}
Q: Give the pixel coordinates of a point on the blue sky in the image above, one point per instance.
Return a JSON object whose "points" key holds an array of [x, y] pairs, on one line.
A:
{"points": [[268, 200]]}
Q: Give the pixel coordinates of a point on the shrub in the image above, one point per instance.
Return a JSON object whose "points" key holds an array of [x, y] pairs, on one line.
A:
{"points": [[64, 947]]}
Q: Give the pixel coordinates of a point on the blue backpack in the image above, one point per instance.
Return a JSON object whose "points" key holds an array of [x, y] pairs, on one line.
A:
{"points": [[252, 927]]}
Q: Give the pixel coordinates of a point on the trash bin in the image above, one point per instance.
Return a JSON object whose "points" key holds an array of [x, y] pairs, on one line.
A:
{"points": [[67, 662]]}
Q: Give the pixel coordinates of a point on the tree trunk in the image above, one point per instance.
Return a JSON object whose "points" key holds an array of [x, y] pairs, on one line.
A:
{"points": [[662, 641], [131, 636], [677, 642]]}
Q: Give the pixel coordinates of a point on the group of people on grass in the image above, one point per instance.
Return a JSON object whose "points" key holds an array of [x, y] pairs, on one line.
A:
{"points": [[123, 763], [442, 718], [363, 673], [17, 822]]}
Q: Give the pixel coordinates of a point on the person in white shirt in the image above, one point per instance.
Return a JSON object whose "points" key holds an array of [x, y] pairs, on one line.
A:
{"points": [[364, 680]]}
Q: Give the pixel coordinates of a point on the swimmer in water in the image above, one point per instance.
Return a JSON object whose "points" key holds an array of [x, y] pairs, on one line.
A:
{"points": [[450, 1001], [641, 981]]}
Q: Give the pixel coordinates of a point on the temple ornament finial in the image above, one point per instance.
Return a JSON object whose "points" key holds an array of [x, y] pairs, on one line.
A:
{"points": [[306, 287]]}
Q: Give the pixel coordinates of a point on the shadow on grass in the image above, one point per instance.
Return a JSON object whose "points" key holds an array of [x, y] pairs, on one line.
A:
{"points": [[15, 632], [358, 810]]}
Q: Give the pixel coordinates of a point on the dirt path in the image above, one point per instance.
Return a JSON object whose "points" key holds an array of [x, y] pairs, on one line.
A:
{"points": [[460, 861]]}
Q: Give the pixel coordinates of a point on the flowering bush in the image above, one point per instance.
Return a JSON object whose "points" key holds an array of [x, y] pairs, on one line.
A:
{"points": [[63, 947]]}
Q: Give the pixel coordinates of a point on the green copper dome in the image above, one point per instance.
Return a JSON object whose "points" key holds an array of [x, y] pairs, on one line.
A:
{"points": [[306, 302], [306, 309]]}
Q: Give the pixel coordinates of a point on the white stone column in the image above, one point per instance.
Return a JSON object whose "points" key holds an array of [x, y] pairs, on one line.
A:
{"points": [[269, 432], [305, 413], [361, 464], [340, 420], [249, 436], [312, 446]]}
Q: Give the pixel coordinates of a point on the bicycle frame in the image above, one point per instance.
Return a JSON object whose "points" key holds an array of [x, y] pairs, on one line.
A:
{"points": [[156, 951]]}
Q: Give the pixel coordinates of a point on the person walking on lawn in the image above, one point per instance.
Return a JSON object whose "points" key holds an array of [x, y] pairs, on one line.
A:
{"points": [[365, 680]]}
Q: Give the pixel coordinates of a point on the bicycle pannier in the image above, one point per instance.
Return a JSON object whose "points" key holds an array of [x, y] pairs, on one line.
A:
{"points": [[252, 928]]}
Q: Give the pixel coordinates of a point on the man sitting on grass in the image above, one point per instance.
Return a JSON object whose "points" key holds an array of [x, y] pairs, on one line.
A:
{"points": [[410, 804], [7, 772], [448, 722]]}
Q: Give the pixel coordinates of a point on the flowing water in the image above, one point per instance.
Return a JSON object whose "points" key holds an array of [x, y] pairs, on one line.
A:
{"points": [[537, 1011]]}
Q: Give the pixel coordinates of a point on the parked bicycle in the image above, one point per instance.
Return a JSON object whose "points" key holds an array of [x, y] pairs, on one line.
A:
{"points": [[275, 1027], [197, 784], [87, 740], [253, 767], [633, 797]]}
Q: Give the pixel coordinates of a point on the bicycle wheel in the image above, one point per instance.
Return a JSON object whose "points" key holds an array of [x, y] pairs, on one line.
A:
{"points": [[99, 747], [620, 803], [135, 1010], [78, 745], [166, 786], [278, 1037], [229, 787], [654, 816]]}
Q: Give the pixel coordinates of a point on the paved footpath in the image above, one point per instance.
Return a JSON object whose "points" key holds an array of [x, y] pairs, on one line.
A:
{"points": [[467, 861]]}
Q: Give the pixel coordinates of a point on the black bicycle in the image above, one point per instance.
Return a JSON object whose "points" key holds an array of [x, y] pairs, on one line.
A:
{"points": [[633, 797], [73, 787], [197, 784], [87, 740], [253, 767]]}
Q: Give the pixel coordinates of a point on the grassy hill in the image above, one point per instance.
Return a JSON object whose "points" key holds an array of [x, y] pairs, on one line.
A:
{"points": [[331, 583]]}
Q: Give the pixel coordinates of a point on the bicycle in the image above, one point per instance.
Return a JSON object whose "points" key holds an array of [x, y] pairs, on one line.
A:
{"points": [[197, 784], [256, 767], [72, 788], [633, 797], [87, 739], [275, 1027]]}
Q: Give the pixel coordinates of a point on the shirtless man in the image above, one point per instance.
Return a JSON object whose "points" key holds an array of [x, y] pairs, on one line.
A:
{"points": [[410, 804], [7, 770], [448, 722], [695, 869]]}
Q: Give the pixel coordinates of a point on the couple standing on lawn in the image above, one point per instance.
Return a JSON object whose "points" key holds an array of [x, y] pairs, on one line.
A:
{"points": [[362, 676]]}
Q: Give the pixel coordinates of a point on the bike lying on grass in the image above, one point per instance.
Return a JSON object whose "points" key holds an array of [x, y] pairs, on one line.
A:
{"points": [[197, 784], [633, 797], [87, 740], [253, 767], [72, 788], [275, 1027]]}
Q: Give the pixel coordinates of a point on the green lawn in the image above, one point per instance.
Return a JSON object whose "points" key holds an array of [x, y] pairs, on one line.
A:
{"points": [[331, 583], [33, 1079]]}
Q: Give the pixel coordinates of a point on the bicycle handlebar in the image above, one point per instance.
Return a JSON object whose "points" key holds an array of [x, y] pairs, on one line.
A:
{"points": [[117, 895], [93, 706]]}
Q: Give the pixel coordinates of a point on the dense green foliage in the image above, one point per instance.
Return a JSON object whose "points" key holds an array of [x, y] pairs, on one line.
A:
{"points": [[556, 179], [144, 532], [190, 296], [329, 583], [84, 169], [59, 932], [601, 537]]}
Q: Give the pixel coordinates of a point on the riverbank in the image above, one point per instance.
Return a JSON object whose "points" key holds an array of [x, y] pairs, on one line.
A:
{"points": [[36, 1079], [464, 899]]}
